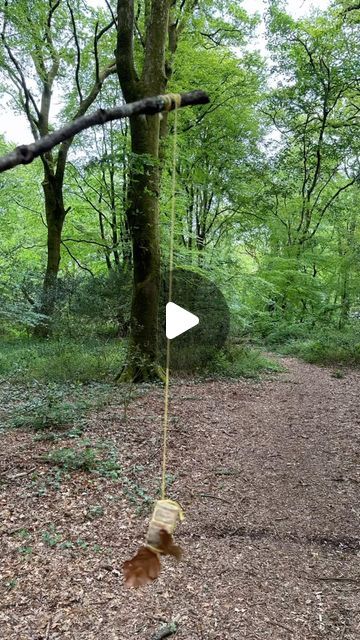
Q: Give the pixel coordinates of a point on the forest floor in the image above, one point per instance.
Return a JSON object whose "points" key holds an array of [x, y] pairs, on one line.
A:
{"points": [[268, 475]]}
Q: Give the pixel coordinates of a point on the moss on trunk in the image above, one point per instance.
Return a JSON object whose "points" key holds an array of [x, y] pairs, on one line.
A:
{"points": [[144, 182]]}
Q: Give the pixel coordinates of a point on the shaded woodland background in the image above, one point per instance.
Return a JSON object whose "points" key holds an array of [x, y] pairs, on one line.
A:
{"points": [[267, 183]]}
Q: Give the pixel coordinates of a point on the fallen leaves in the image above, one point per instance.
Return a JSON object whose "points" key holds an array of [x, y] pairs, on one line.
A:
{"points": [[232, 585]]}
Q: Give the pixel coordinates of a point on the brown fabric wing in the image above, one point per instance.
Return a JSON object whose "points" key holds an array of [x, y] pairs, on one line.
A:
{"points": [[142, 569], [167, 546]]}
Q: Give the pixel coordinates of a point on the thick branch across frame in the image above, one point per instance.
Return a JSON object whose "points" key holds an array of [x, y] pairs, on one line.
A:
{"points": [[25, 154]]}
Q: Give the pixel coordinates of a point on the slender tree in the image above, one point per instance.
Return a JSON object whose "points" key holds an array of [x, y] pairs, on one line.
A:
{"points": [[316, 113], [34, 57]]}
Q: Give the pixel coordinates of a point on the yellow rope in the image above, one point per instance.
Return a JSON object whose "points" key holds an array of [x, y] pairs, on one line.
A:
{"points": [[171, 263], [170, 100]]}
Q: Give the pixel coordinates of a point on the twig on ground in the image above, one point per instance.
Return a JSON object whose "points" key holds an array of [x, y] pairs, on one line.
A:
{"points": [[48, 628], [108, 567], [209, 495], [336, 579], [10, 605], [166, 632], [23, 473], [226, 472], [282, 626], [10, 532], [102, 603]]}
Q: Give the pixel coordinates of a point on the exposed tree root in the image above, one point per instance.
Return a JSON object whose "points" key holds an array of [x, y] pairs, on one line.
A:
{"points": [[141, 372]]}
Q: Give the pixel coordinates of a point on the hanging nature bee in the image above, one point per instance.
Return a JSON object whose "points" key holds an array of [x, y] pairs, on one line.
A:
{"points": [[145, 566]]}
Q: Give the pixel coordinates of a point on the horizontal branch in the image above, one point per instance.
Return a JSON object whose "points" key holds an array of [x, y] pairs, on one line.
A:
{"points": [[354, 7], [24, 154]]}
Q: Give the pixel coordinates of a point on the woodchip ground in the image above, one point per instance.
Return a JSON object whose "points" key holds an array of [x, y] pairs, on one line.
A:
{"points": [[268, 474]]}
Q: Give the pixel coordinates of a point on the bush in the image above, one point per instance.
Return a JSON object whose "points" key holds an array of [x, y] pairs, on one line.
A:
{"points": [[45, 413], [74, 459], [328, 346], [285, 332], [242, 362], [97, 306], [56, 410]]}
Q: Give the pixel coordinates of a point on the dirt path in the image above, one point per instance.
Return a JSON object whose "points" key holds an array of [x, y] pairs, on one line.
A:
{"points": [[268, 474]]}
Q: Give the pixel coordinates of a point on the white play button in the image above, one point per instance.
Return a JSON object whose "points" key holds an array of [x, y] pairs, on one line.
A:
{"points": [[178, 320]]}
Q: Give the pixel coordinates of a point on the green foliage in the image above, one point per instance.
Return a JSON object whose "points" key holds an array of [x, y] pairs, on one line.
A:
{"points": [[101, 458], [49, 412], [51, 537], [94, 511], [11, 584], [266, 207], [54, 538], [25, 550], [338, 374], [23, 534], [327, 346], [86, 458], [282, 332], [102, 299], [52, 481], [55, 406], [137, 495], [62, 360], [242, 362], [71, 459]]}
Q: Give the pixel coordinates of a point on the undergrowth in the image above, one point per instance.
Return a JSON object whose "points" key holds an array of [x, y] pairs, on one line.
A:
{"points": [[57, 410], [68, 361], [61, 360], [101, 458], [242, 362], [318, 344]]}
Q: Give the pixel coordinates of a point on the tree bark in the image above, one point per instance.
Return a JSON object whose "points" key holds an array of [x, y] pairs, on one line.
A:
{"points": [[143, 218], [55, 217], [144, 182], [344, 301], [53, 186], [347, 252], [47, 61]]}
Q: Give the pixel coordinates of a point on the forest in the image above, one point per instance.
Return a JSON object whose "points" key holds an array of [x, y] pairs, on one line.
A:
{"points": [[205, 152]]}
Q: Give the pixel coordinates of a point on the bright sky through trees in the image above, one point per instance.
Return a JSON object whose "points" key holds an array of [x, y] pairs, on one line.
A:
{"points": [[15, 127]]}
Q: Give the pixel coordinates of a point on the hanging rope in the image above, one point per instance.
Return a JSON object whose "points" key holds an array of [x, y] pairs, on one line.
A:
{"points": [[176, 98], [145, 566]]}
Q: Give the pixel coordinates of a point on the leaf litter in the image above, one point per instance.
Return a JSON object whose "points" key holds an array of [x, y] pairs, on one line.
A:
{"points": [[268, 475]]}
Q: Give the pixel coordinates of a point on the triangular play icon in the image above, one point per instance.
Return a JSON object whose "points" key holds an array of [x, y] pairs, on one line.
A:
{"points": [[178, 320]]}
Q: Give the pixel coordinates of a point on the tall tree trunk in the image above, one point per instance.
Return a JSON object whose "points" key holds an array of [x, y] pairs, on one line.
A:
{"points": [[55, 217], [347, 251], [143, 217], [103, 238], [344, 300], [144, 180]]}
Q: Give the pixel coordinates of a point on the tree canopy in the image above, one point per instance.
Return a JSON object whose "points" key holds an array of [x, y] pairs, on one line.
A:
{"points": [[267, 173]]}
